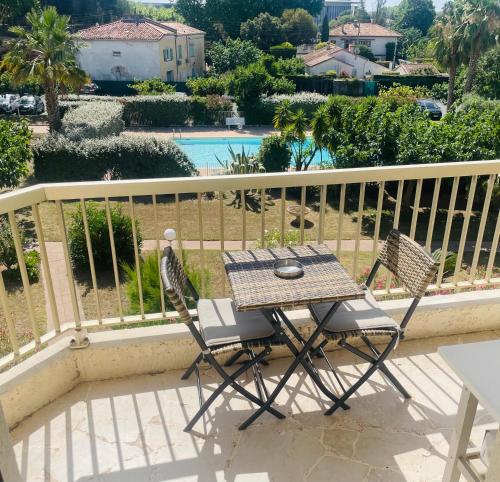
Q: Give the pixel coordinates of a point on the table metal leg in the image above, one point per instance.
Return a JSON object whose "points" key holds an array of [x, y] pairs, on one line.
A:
{"points": [[300, 358], [307, 362], [461, 434]]}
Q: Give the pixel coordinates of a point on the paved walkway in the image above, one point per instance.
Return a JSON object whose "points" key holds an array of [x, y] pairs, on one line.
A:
{"points": [[365, 245], [178, 132], [190, 132], [59, 274]]}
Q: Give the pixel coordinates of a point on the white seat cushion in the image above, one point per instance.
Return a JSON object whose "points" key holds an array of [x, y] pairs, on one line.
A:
{"points": [[220, 323], [364, 314]]}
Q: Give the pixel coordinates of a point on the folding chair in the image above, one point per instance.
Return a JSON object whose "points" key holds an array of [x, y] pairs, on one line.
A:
{"points": [[222, 330], [364, 318]]}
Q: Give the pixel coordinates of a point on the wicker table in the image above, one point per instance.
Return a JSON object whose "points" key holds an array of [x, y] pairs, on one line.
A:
{"points": [[256, 287]]}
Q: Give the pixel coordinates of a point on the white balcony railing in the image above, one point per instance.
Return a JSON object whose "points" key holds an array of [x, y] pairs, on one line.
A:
{"points": [[433, 194]]}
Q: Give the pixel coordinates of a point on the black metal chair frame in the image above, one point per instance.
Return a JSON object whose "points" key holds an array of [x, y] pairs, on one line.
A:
{"points": [[376, 357], [207, 353]]}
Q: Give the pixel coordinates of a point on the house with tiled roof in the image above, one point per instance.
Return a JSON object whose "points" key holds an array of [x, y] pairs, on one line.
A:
{"points": [[342, 61], [416, 68], [140, 48], [370, 34]]}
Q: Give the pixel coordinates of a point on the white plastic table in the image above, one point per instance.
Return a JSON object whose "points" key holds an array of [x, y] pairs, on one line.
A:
{"points": [[478, 366]]}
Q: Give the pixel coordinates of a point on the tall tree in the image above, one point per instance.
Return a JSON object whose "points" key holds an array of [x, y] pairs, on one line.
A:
{"points": [[264, 30], [46, 52], [221, 18], [325, 29], [299, 26], [448, 43], [380, 16], [13, 9], [415, 13], [480, 32]]}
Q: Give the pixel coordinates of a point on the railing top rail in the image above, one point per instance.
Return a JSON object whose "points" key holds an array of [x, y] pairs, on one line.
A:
{"points": [[144, 187]]}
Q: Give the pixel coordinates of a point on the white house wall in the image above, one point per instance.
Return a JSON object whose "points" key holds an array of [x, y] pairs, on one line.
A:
{"points": [[355, 66], [138, 59], [377, 44]]}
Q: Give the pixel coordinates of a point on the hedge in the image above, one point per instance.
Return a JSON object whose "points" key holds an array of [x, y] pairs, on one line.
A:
{"points": [[410, 80], [161, 110], [93, 120], [263, 111], [209, 110], [57, 159], [328, 85]]}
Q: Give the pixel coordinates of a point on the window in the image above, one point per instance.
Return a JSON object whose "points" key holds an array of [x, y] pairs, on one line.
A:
{"points": [[168, 55], [170, 75], [179, 51], [117, 53], [368, 43], [192, 52]]}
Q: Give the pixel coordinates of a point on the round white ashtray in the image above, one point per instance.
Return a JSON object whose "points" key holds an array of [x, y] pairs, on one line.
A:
{"points": [[288, 268]]}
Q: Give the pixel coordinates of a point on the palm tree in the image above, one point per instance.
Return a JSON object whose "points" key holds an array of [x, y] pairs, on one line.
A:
{"points": [[47, 53], [295, 134], [282, 115], [480, 32], [448, 42]]}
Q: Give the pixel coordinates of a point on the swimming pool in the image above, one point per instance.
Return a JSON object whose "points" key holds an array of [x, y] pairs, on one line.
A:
{"points": [[203, 152]]}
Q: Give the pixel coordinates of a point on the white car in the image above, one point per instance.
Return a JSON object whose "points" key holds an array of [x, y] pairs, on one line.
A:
{"points": [[9, 103]]}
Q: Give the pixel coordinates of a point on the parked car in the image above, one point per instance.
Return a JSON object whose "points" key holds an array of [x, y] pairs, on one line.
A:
{"points": [[9, 103], [31, 104], [431, 107], [89, 89]]}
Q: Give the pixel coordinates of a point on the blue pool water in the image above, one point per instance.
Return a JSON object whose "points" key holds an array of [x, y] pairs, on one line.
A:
{"points": [[203, 151]]}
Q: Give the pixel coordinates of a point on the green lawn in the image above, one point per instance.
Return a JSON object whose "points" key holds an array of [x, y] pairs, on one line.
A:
{"points": [[19, 313], [233, 217]]}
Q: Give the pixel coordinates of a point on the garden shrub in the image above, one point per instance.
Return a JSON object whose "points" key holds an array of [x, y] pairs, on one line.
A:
{"points": [[284, 50], [272, 239], [93, 120], [56, 159], [274, 154], [154, 86], [89, 98], [281, 86], [224, 56], [209, 110], [99, 237], [262, 112], [151, 286], [204, 86], [392, 130], [157, 111], [8, 255], [293, 66], [15, 152]]}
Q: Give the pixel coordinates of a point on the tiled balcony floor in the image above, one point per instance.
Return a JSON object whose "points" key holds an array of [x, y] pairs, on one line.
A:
{"points": [[130, 430]]}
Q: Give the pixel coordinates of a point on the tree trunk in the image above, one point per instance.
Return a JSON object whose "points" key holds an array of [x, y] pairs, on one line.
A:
{"points": [[408, 195], [53, 113], [451, 84], [471, 73]]}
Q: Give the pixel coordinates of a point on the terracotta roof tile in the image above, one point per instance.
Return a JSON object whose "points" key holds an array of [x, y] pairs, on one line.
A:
{"points": [[410, 68], [318, 56], [182, 29], [143, 29], [365, 30]]}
